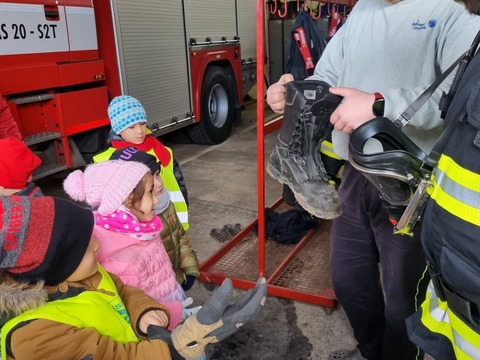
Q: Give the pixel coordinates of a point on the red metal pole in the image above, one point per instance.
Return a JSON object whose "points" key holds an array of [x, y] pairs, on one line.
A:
{"points": [[260, 135]]}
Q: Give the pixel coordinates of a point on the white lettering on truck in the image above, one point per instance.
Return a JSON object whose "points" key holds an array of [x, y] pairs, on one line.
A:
{"points": [[25, 29]]}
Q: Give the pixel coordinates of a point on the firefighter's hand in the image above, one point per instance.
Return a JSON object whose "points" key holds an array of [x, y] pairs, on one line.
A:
{"points": [[276, 93], [355, 109], [215, 320]]}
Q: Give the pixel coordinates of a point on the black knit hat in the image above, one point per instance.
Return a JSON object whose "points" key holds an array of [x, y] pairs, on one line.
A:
{"points": [[132, 154], [43, 238]]}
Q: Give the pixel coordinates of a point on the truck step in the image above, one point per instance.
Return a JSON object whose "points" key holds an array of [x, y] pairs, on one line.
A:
{"points": [[49, 169], [41, 137], [32, 98]]}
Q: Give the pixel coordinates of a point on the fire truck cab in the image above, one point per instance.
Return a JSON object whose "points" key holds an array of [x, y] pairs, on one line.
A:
{"points": [[62, 61]]}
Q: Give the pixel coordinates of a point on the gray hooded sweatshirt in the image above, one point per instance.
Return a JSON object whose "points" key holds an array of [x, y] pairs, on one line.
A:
{"points": [[420, 37]]}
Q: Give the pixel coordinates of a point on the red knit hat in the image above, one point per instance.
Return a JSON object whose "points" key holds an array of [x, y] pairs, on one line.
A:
{"points": [[17, 163], [42, 238]]}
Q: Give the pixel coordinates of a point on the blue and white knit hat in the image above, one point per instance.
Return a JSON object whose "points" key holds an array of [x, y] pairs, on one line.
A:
{"points": [[125, 111]]}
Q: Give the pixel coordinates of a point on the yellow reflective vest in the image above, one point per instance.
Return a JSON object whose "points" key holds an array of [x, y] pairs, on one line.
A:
{"points": [[103, 311]]}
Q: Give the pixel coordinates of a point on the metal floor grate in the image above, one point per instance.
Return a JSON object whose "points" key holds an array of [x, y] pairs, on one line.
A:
{"points": [[297, 271]]}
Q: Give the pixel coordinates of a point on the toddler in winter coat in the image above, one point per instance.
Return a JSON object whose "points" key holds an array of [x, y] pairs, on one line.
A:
{"points": [[128, 230], [128, 120], [57, 302], [175, 239], [17, 164]]}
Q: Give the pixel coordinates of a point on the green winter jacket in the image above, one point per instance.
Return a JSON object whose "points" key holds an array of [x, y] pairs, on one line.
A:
{"points": [[178, 245]]}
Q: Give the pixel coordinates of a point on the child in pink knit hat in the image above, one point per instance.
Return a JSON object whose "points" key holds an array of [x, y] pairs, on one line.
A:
{"points": [[128, 230]]}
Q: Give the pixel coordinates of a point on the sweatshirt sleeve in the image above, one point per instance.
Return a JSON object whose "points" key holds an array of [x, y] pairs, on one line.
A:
{"points": [[188, 257], [8, 125], [46, 339]]}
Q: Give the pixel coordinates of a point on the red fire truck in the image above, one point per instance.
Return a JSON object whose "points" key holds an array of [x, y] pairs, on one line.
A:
{"points": [[61, 61]]}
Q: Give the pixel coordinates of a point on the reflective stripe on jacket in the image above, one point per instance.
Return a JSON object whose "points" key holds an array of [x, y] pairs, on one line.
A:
{"points": [[440, 319], [447, 325]]}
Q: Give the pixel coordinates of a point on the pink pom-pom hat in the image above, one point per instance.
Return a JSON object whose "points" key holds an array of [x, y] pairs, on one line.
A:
{"points": [[106, 184]]}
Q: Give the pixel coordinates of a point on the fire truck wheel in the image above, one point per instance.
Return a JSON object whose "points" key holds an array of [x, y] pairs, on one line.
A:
{"points": [[217, 109], [180, 137]]}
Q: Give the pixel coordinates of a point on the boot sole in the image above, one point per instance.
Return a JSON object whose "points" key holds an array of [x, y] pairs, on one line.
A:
{"points": [[327, 215], [302, 200]]}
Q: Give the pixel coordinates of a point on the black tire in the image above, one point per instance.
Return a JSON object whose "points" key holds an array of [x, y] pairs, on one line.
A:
{"points": [[179, 136], [217, 109]]}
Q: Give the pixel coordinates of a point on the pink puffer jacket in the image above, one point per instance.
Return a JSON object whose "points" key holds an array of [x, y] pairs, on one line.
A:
{"points": [[144, 264]]}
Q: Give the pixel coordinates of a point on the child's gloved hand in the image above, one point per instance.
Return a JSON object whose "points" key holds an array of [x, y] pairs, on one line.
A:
{"points": [[186, 311], [189, 281], [215, 321]]}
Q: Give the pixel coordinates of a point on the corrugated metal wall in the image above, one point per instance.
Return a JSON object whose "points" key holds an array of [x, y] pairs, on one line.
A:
{"points": [[247, 15], [212, 18], [152, 41]]}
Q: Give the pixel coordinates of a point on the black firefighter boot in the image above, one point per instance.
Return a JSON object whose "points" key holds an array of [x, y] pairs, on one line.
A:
{"points": [[296, 160]]}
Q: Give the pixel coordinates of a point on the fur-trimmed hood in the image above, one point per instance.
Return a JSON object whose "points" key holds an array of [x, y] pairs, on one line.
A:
{"points": [[16, 298]]}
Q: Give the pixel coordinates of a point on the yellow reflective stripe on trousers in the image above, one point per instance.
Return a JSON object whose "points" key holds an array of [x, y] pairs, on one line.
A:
{"points": [[438, 318], [457, 190]]}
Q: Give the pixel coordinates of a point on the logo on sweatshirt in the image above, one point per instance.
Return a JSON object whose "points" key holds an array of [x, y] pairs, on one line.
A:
{"points": [[417, 25]]}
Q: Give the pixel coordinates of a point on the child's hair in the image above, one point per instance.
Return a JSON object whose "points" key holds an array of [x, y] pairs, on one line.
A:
{"points": [[124, 111], [42, 238], [106, 184], [137, 194], [17, 163]]}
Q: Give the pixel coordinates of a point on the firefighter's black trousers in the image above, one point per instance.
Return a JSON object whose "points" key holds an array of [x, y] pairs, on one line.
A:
{"points": [[364, 255]]}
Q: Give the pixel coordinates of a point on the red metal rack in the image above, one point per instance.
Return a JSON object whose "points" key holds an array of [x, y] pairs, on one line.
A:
{"points": [[297, 272]]}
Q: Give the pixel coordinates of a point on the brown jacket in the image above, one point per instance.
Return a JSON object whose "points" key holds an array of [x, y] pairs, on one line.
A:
{"points": [[46, 339]]}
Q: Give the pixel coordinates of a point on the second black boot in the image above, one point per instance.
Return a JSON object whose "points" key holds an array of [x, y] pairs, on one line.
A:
{"points": [[295, 160]]}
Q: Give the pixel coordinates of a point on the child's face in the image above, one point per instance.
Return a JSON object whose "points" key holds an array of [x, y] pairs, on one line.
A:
{"points": [[157, 183], [135, 134], [144, 209], [88, 265]]}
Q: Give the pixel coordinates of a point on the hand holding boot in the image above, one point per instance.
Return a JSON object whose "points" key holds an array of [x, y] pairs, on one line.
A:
{"points": [[355, 109], [276, 93]]}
